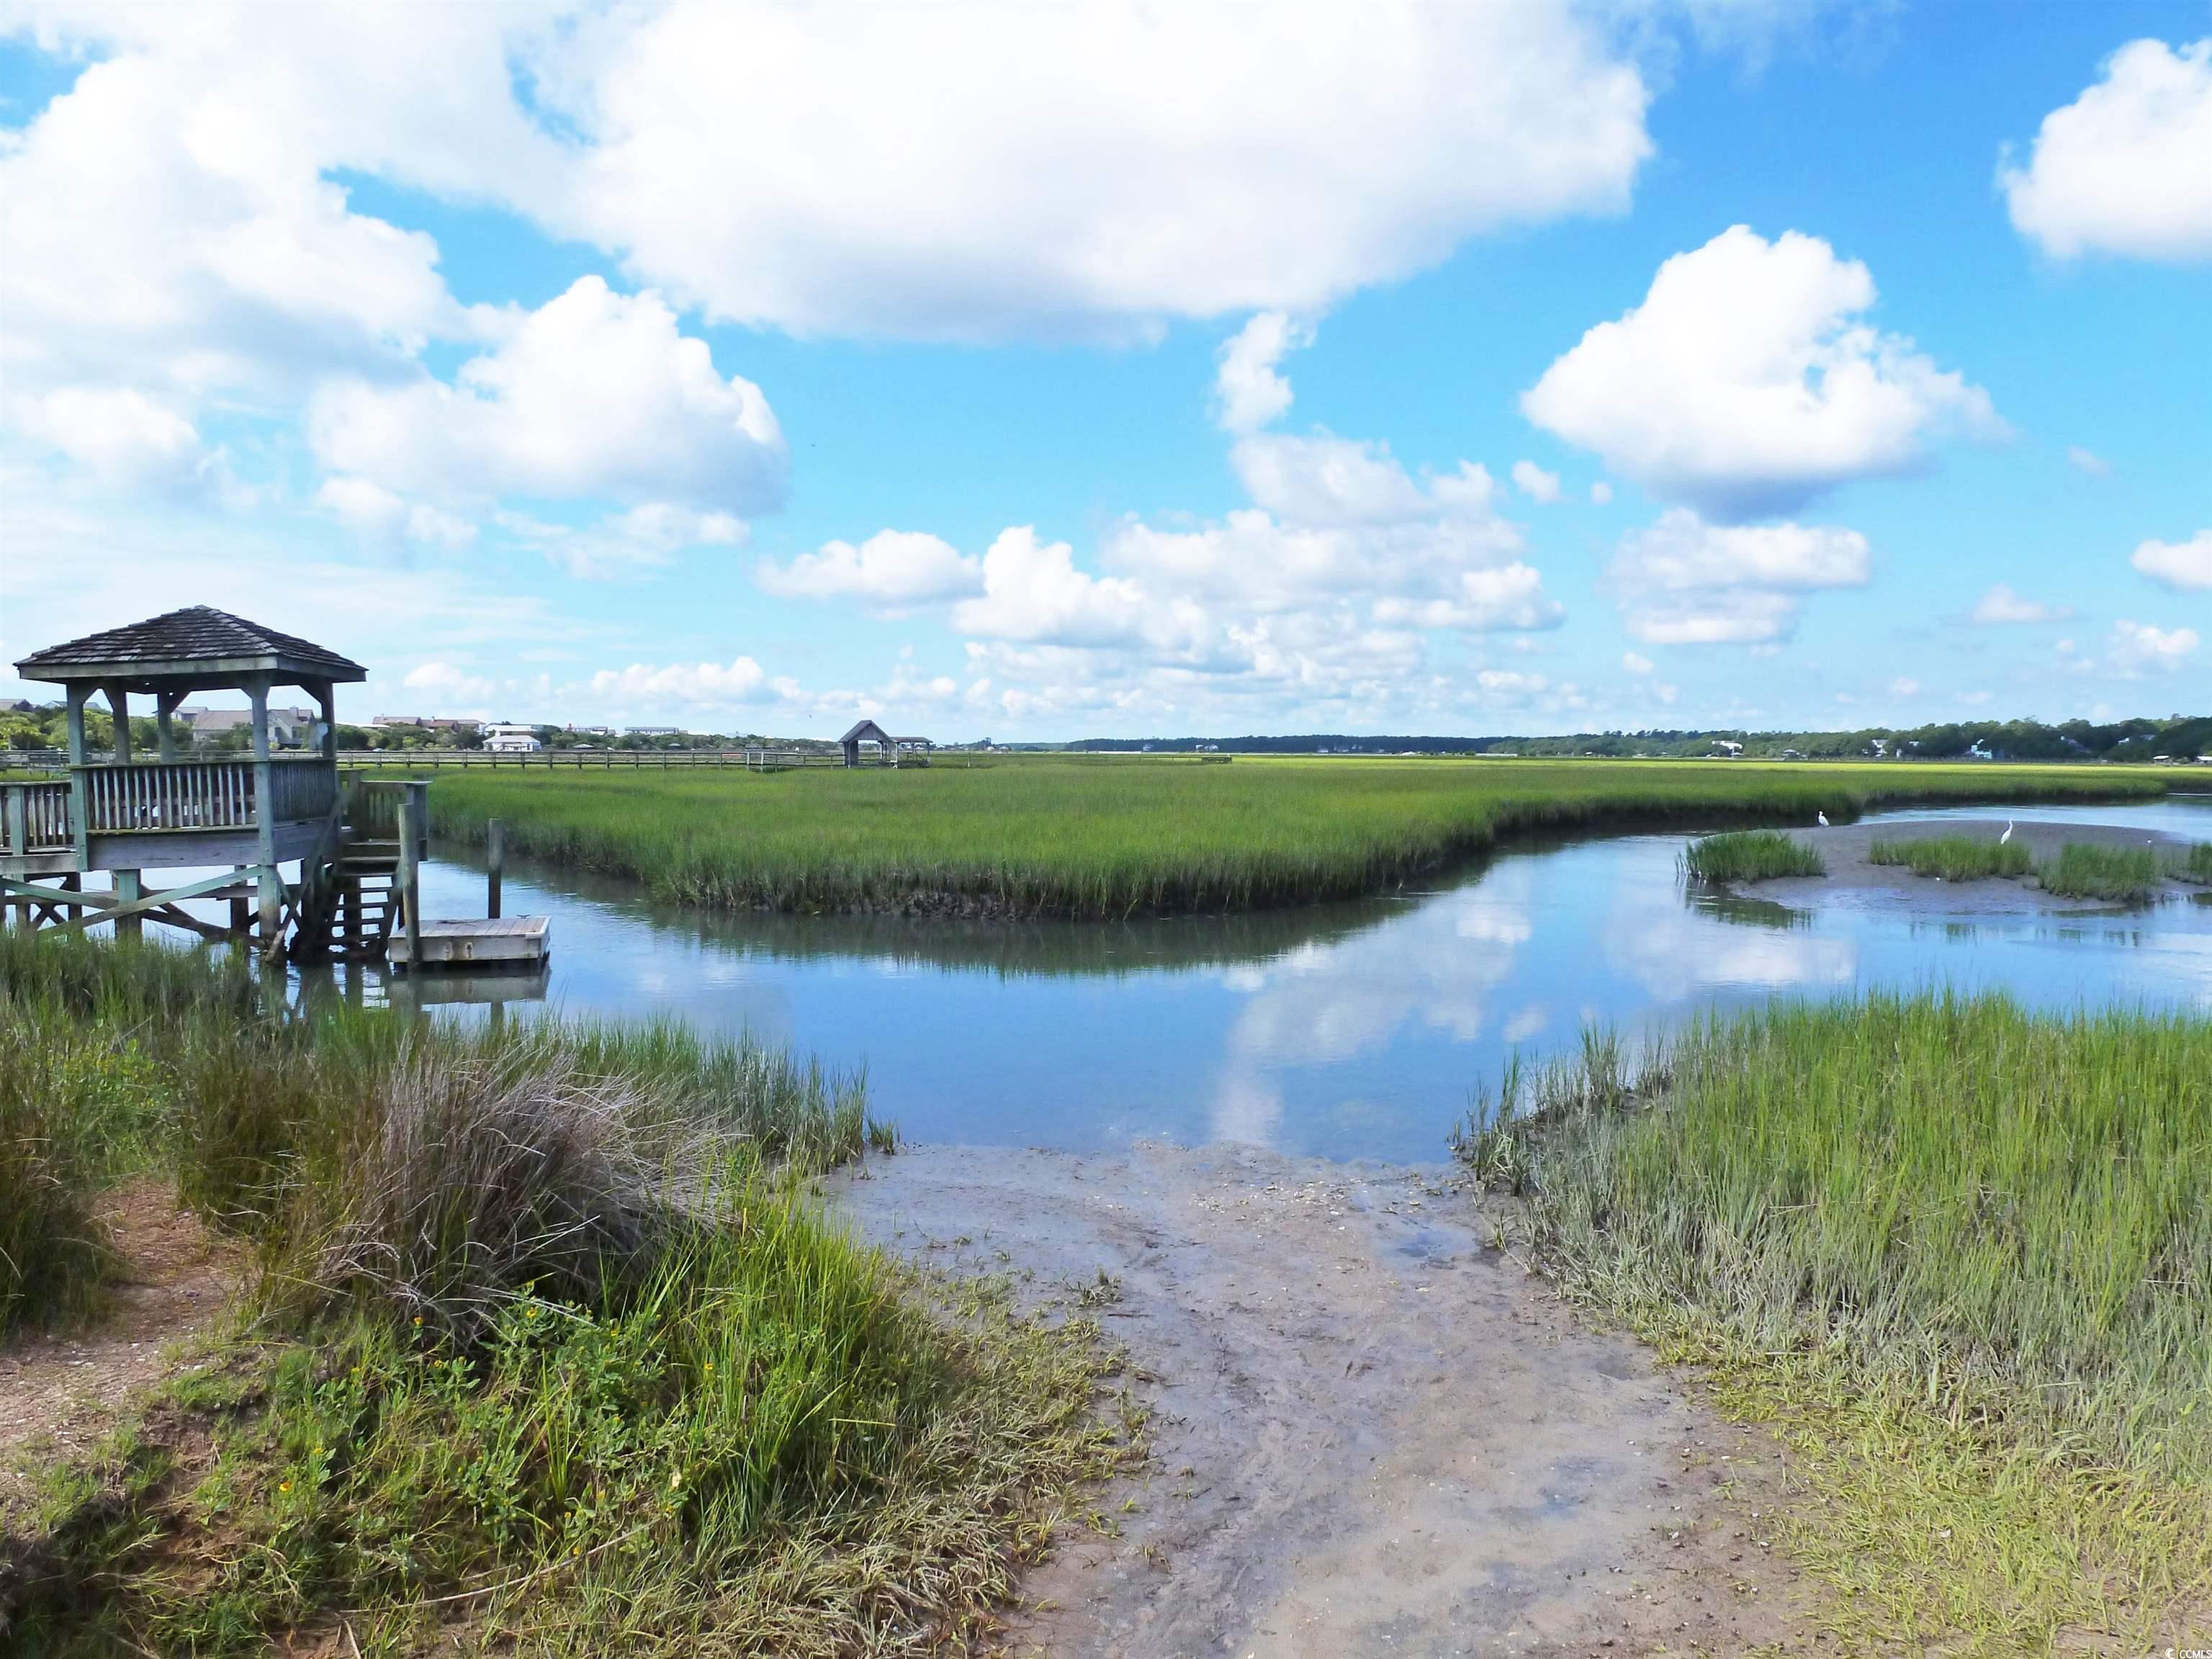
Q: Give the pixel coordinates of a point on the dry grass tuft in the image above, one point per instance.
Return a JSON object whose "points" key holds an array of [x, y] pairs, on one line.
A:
{"points": [[479, 1180]]}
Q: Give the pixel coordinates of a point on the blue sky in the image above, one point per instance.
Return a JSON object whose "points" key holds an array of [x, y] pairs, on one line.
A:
{"points": [[1050, 373]]}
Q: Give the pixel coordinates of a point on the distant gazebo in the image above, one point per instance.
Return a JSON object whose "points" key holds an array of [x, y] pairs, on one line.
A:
{"points": [[869, 732], [254, 812]]}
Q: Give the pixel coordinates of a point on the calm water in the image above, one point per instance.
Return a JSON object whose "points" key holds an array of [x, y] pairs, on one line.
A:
{"points": [[1347, 1031]]}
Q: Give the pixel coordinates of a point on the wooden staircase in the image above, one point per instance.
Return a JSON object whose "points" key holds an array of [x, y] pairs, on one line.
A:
{"points": [[348, 901], [365, 905]]}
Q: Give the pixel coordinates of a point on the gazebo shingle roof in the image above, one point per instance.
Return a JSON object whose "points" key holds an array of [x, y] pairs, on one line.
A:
{"points": [[198, 635]]}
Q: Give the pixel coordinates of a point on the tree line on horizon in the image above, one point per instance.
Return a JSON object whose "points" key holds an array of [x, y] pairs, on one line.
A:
{"points": [[2178, 737]]}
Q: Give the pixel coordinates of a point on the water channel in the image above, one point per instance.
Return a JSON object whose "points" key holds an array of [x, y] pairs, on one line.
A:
{"points": [[1344, 1030]]}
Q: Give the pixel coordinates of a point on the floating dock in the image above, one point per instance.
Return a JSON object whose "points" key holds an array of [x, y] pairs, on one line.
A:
{"points": [[487, 941]]}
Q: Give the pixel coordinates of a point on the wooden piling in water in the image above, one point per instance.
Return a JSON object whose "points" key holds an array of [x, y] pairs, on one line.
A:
{"points": [[495, 865], [411, 876]]}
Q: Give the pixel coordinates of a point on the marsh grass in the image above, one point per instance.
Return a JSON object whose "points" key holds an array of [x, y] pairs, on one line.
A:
{"points": [[547, 1337], [1960, 1252], [1749, 855], [2126, 875], [2194, 866], [1953, 858], [1071, 837]]}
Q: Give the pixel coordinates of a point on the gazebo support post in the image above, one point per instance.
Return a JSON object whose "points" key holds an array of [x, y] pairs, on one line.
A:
{"points": [[165, 709], [75, 694], [124, 884], [268, 881]]}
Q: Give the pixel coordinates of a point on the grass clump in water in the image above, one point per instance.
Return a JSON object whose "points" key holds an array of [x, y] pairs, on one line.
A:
{"points": [[2126, 875], [1953, 858], [2194, 866], [536, 1352], [1957, 1253], [1750, 855]]}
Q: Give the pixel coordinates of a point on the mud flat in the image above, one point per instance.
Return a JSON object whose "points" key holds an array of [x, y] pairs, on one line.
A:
{"points": [[1373, 1431], [1853, 877]]}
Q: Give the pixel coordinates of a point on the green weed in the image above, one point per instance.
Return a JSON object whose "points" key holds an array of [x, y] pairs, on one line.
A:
{"points": [[1959, 1253], [1953, 858], [1749, 855], [2194, 866], [2126, 875]]}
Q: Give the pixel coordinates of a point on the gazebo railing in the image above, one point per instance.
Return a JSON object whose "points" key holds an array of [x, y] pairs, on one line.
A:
{"points": [[183, 795], [34, 817]]}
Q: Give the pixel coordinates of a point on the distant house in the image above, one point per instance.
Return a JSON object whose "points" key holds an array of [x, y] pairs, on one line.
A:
{"points": [[1726, 749], [289, 728], [653, 731], [504, 739]]}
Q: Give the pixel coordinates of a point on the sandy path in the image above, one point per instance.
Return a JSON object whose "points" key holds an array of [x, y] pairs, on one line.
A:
{"points": [[1374, 1433], [60, 1395]]}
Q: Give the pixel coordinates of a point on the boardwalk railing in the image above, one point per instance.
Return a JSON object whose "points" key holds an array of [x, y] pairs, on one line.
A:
{"points": [[34, 817], [183, 795], [570, 760]]}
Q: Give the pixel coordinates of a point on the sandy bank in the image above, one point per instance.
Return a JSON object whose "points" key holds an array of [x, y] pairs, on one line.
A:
{"points": [[1374, 1433], [1843, 847]]}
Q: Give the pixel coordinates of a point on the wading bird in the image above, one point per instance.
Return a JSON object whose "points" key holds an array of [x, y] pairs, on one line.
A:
{"points": [[2007, 836], [1823, 817]]}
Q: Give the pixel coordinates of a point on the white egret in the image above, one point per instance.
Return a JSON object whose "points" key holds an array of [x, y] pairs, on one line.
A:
{"points": [[1823, 817], [2007, 836]]}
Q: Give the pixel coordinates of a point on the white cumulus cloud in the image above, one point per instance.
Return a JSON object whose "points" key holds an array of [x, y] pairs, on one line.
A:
{"points": [[892, 571], [2137, 647], [1032, 590], [742, 680], [377, 512], [1744, 384], [453, 685], [1635, 663], [118, 434], [2124, 169], [1007, 169], [171, 220], [643, 539], [1532, 481], [595, 394], [2184, 567], [1685, 581], [1249, 392], [2001, 605], [2084, 461]]}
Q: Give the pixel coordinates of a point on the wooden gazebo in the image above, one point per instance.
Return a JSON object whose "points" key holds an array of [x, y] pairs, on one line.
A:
{"points": [[868, 730], [251, 814]]}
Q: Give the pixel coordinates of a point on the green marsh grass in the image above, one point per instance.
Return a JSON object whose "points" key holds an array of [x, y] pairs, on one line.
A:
{"points": [[1749, 855], [546, 1335], [1953, 858], [1960, 1255], [2126, 875], [1071, 837], [2194, 866]]}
